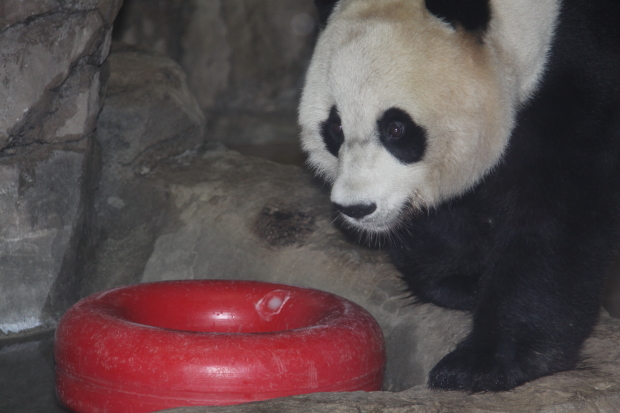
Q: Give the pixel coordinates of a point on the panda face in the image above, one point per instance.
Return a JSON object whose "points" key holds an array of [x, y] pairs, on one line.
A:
{"points": [[402, 110]]}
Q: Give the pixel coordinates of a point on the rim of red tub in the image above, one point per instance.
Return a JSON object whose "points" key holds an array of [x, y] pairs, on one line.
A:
{"points": [[212, 342]]}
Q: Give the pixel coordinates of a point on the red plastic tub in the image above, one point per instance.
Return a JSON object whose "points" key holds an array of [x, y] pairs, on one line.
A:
{"points": [[154, 346]]}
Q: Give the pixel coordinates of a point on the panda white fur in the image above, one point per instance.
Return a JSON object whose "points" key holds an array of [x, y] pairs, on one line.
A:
{"points": [[483, 137]]}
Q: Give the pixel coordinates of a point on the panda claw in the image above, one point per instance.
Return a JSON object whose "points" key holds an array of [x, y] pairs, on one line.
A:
{"points": [[502, 366], [464, 372]]}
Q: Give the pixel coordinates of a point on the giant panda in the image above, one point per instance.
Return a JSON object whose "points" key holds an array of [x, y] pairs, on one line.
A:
{"points": [[481, 140]]}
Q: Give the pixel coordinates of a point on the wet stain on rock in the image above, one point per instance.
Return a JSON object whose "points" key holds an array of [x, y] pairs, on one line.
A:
{"points": [[283, 226]]}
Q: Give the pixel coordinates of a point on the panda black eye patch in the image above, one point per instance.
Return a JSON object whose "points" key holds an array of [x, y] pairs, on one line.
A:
{"points": [[332, 133], [401, 136]]}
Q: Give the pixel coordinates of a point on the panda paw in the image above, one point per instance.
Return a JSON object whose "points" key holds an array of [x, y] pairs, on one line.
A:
{"points": [[473, 369]]}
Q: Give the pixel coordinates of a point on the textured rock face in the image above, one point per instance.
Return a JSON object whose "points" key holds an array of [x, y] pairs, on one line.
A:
{"points": [[50, 52], [245, 59], [42, 212], [50, 86], [149, 111], [149, 114]]}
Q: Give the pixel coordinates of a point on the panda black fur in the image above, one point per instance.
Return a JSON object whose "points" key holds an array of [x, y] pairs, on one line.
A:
{"points": [[484, 137]]}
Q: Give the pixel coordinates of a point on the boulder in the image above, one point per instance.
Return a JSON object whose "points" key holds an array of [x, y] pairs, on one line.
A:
{"points": [[45, 194], [245, 59], [50, 55], [51, 80], [149, 114]]}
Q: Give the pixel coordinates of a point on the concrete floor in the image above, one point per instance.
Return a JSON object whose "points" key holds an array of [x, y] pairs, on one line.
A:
{"points": [[27, 376]]}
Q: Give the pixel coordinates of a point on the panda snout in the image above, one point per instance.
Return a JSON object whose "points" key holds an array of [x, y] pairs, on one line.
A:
{"points": [[358, 211]]}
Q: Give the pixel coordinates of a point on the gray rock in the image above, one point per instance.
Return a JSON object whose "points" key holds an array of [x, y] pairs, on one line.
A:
{"points": [[14, 11], [245, 59], [149, 114], [50, 86], [42, 210], [49, 62], [270, 42], [149, 111]]}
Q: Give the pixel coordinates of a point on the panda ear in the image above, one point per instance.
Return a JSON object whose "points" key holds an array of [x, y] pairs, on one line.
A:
{"points": [[472, 15], [325, 8]]}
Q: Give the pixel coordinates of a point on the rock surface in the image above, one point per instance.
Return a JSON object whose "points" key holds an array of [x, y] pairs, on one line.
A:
{"points": [[245, 59], [44, 203], [149, 115], [51, 54]]}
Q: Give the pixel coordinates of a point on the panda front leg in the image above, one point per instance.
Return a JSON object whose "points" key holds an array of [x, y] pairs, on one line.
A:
{"points": [[441, 256], [536, 306]]}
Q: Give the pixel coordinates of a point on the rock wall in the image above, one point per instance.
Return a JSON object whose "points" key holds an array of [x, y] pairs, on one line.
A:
{"points": [[149, 115], [245, 59], [51, 78]]}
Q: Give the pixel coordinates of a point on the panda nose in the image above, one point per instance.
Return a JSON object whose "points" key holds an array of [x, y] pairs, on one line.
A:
{"points": [[356, 211]]}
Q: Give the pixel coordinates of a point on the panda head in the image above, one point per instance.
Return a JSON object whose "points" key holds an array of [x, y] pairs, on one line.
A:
{"points": [[408, 103]]}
